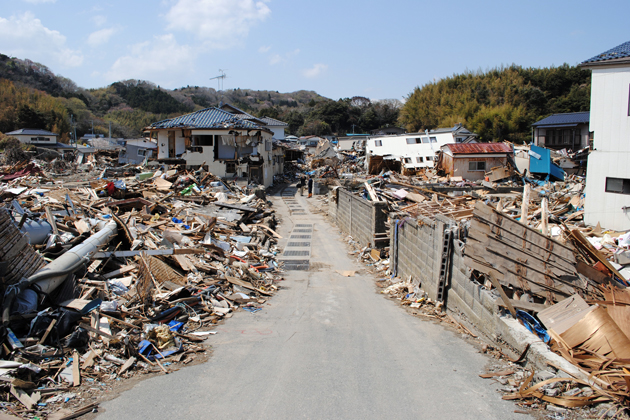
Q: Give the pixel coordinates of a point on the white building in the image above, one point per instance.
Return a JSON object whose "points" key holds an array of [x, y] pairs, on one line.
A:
{"points": [[415, 150], [227, 145], [608, 172], [34, 136]]}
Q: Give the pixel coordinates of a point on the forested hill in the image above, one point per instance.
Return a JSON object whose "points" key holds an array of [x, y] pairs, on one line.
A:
{"points": [[499, 104]]}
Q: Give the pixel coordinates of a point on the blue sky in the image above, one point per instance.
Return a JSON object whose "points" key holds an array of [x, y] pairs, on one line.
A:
{"points": [[338, 48]]}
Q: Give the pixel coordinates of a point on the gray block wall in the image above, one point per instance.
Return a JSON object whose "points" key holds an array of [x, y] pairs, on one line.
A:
{"points": [[360, 218], [416, 251]]}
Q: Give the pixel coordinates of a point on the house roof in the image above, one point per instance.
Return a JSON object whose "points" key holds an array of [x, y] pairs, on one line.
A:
{"points": [[273, 122], [565, 119], [478, 148], [31, 132], [614, 54], [457, 128], [207, 118]]}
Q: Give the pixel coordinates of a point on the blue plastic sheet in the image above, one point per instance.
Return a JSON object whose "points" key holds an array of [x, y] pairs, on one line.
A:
{"points": [[533, 325]]}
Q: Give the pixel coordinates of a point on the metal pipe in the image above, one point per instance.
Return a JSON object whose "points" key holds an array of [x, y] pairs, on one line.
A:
{"points": [[51, 276]]}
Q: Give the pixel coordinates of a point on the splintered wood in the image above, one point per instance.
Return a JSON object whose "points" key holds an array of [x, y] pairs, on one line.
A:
{"points": [[520, 257]]}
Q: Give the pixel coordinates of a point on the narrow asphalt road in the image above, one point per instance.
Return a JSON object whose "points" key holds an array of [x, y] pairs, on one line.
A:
{"points": [[325, 347]]}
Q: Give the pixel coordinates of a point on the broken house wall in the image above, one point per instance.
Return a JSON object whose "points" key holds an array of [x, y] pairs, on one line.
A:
{"points": [[359, 218], [416, 250], [180, 143], [459, 166]]}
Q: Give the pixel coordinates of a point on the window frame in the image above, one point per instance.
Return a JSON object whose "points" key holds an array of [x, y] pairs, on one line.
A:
{"points": [[477, 163], [625, 186]]}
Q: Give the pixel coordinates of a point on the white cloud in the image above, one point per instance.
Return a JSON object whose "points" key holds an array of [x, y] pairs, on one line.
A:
{"points": [[315, 71], [101, 36], [161, 60], [277, 58], [40, 1], [264, 48], [219, 23], [99, 20], [25, 36]]}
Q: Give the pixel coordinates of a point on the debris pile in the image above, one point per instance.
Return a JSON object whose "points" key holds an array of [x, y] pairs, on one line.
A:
{"points": [[120, 276]]}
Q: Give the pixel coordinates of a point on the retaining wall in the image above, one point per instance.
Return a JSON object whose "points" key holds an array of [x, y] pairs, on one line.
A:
{"points": [[360, 218]]}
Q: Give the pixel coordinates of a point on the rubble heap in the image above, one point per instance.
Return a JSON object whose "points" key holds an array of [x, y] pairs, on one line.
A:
{"points": [[120, 276]]}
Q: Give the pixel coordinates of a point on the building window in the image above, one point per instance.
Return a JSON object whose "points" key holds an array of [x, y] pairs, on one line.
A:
{"points": [[419, 159], [142, 152], [407, 160], [414, 140], [618, 185], [230, 167], [433, 139], [203, 140], [476, 166], [429, 158], [378, 143], [267, 145]]}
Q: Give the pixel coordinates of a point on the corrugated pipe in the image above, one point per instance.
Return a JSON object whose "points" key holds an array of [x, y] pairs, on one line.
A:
{"points": [[50, 277]]}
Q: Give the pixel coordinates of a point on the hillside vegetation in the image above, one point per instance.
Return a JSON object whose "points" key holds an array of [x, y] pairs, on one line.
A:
{"points": [[500, 104]]}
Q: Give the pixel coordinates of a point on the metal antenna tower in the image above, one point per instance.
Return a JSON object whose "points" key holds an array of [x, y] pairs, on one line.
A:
{"points": [[219, 79]]}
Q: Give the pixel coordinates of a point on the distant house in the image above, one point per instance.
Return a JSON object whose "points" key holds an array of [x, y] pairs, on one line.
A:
{"points": [[563, 131], [34, 136], [472, 161], [226, 144], [608, 173], [277, 127], [460, 133], [413, 150], [136, 151]]}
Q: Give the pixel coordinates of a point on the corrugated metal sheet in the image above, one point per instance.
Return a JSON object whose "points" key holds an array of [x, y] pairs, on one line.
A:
{"points": [[206, 118], [478, 148], [561, 119], [619, 51]]}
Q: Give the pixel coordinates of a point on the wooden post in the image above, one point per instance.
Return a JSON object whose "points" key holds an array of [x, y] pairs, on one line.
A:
{"points": [[544, 216], [525, 205]]}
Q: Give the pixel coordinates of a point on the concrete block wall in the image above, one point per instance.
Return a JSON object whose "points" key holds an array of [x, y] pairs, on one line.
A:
{"points": [[416, 250], [360, 218]]}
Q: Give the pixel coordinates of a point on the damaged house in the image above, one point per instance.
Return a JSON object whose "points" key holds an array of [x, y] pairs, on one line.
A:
{"points": [[471, 161], [225, 144], [411, 151]]}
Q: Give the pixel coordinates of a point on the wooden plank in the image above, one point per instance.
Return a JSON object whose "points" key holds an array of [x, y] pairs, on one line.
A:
{"points": [[76, 373], [506, 300], [121, 270], [127, 254], [236, 207], [126, 365], [97, 331], [89, 359], [22, 397], [48, 330], [533, 256], [511, 272], [246, 285], [503, 225]]}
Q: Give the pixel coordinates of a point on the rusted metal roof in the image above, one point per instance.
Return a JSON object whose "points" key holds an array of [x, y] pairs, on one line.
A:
{"points": [[478, 148]]}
